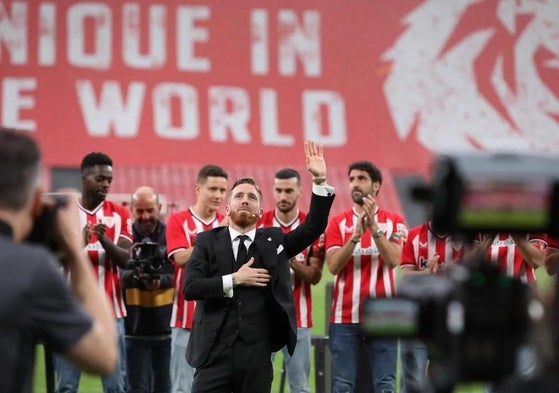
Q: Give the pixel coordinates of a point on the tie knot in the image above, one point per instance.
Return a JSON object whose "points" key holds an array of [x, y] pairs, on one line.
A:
{"points": [[242, 252], [242, 238]]}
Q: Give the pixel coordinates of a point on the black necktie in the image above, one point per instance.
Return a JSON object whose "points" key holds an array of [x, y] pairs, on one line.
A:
{"points": [[242, 253]]}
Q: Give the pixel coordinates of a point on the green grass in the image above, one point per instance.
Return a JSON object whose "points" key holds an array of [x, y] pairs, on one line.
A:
{"points": [[91, 384], [88, 383]]}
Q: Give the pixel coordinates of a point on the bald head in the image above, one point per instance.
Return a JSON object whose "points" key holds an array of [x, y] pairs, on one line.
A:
{"points": [[144, 193], [145, 208]]}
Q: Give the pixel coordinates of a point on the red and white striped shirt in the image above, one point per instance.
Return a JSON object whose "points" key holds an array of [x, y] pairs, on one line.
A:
{"points": [[504, 252], [423, 244], [182, 228], [301, 289], [119, 224], [365, 274]]}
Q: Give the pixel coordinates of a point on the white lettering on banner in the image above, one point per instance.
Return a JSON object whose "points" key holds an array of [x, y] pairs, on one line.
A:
{"points": [[299, 42], [295, 42], [101, 15], [47, 34], [189, 35], [111, 111], [313, 103], [13, 101], [269, 120], [235, 120], [298, 37], [259, 39], [131, 35], [187, 97], [229, 113], [75, 36], [13, 32]]}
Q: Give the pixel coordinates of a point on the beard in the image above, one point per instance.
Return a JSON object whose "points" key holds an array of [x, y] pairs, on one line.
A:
{"points": [[285, 207], [243, 218], [357, 197], [145, 227]]}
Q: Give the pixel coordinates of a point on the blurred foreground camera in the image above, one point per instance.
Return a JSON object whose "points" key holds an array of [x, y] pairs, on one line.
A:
{"points": [[501, 192], [473, 318], [43, 226], [146, 260]]}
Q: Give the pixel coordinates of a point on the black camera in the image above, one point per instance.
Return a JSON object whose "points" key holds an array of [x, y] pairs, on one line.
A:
{"points": [[473, 318], [43, 226], [489, 193], [146, 260]]}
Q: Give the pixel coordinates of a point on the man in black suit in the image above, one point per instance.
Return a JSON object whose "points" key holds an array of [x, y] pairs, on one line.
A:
{"points": [[239, 276]]}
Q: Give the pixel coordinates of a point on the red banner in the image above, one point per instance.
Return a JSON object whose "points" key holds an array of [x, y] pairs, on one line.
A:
{"points": [[240, 82]]}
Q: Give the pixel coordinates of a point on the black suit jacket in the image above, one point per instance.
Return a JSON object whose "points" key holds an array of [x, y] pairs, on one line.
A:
{"points": [[212, 258]]}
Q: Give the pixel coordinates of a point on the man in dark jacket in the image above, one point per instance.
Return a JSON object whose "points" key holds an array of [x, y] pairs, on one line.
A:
{"points": [[239, 276], [36, 305], [148, 294]]}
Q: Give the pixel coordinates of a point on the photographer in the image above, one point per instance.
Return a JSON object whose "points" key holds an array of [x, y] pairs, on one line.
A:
{"points": [[148, 294], [35, 303]]}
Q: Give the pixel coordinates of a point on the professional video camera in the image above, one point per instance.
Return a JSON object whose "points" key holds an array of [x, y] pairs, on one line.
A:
{"points": [[42, 231], [474, 318], [146, 260]]}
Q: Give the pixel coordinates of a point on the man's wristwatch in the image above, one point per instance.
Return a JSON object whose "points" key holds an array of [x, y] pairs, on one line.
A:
{"points": [[378, 234]]}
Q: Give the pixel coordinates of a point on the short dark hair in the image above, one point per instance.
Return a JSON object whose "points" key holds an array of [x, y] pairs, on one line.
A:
{"points": [[95, 158], [288, 173], [20, 167], [210, 170], [369, 167], [246, 180]]}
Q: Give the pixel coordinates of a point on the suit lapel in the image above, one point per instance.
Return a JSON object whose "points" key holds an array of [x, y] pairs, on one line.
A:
{"points": [[224, 251], [267, 250]]}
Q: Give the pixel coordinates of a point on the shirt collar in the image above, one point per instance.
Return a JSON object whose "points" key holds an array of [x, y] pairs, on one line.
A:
{"points": [[234, 233]]}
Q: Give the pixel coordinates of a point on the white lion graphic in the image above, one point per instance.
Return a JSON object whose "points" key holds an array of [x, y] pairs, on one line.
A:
{"points": [[477, 75]]}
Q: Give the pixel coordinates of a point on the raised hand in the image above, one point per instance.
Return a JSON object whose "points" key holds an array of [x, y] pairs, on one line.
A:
{"points": [[314, 156]]}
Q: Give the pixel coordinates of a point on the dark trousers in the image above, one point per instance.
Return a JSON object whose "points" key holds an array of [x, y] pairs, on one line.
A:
{"points": [[148, 365], [237, 368]]}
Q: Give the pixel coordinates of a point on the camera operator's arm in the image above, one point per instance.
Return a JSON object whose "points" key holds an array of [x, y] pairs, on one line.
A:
{"points": [[166, 276], [390, 251], [165, 281], [119, 253], [531, 253], [339, 257], [96, 351], [128, 279]]}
